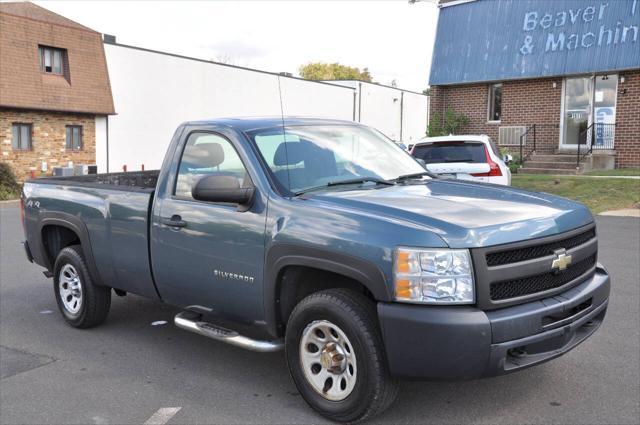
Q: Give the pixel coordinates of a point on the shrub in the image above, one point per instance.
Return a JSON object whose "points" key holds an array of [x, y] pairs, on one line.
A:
{"points": [[9, 187], [453, 123]]}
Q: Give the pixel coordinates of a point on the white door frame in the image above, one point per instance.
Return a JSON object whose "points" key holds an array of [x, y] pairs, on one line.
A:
{"points": [[562, 146]]}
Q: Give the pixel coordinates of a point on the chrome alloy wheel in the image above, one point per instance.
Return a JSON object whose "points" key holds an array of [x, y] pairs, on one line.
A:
{"points": [[328, 360], [70, 289]]}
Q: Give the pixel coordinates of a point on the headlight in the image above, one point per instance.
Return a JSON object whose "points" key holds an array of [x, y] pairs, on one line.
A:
{"points": [[433, 276]]}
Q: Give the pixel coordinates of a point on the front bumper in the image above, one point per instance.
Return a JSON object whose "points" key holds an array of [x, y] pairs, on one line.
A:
{"points": [[455, 343]]}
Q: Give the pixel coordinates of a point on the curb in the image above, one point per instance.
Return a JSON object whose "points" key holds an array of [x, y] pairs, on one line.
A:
{"points": [[10, 203], [628, 212]]}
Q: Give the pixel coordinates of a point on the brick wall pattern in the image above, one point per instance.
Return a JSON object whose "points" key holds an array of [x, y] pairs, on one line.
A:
{"points": [[537, 101], [48, 141]]}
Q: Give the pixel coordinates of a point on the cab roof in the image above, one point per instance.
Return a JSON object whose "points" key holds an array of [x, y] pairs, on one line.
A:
{"points": [[256, 123]]}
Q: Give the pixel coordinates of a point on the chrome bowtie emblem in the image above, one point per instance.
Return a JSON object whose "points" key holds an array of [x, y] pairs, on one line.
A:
{"points": [[562, 260]]}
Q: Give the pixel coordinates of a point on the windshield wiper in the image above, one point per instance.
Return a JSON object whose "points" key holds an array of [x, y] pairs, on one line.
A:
{"points": [[414, 176], [361, 180], [347, 182]]}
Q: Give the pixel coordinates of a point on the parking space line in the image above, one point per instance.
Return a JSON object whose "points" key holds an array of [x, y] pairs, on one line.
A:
{"points": [[162, 416]]}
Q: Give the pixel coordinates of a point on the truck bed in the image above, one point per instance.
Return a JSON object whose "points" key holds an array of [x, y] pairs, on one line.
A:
{"points": [[110, 211], [135, 180]]}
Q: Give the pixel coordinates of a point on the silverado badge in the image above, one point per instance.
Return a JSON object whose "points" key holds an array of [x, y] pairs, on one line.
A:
{"points": [[562, 260]]}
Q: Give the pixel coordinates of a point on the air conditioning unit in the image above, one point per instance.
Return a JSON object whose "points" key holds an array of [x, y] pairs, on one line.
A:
{"points": [[510, 135], [63, 171]]}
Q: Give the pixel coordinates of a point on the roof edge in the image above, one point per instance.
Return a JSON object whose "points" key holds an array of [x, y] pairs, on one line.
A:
{"points": [[44, 109], [381, 85], [535, 77], [454, 3], [179, 56], [76, 26]]}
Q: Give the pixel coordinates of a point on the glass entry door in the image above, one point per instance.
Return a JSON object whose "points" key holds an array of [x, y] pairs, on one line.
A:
{"points": [[589, 101], [578, 106], [604, 111]]}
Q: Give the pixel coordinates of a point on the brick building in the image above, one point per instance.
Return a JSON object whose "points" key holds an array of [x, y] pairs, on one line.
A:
{"points": [[562, 75], [54, 88]]}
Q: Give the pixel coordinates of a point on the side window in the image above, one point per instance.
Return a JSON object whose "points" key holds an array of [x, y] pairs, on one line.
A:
{"points": [[21, 136], [208, 154], [74, 137], [495, 103]]}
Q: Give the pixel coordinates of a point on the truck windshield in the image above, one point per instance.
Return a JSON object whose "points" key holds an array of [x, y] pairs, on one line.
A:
{"points": [[309, 157]]}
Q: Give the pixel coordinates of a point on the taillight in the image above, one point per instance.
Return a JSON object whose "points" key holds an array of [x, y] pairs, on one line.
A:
{"points": [[494, 169], [24, 227]]}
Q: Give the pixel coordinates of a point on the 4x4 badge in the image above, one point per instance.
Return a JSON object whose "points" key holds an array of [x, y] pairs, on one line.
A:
{"points": [[562, 260]]}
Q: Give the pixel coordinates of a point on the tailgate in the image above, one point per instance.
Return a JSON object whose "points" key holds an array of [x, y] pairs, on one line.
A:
{"points": [[458, 170]]}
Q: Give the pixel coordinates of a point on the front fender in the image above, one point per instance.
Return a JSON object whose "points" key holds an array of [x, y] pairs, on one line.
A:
{"points": [[281, 255]]}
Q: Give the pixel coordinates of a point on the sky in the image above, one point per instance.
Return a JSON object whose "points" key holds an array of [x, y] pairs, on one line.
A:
{"points": [[393, 38]]}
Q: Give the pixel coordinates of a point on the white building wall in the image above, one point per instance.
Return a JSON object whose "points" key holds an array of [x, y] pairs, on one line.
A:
{"points": [[155, 92], [101, 140], [379, 106], [415, 117], [304, 98]]}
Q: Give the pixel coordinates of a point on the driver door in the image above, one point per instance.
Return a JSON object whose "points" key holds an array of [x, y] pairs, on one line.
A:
{"points": [[209, 254]]}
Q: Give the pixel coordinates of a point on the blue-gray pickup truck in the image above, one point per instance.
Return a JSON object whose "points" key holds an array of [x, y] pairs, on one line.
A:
{"points": [[325, 239]]}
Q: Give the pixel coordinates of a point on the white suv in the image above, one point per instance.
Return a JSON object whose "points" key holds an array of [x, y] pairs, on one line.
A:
{"points": [[464, 157]]}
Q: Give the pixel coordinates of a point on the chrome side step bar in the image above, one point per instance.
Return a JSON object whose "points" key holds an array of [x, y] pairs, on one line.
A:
{"points": [[191, 322]]}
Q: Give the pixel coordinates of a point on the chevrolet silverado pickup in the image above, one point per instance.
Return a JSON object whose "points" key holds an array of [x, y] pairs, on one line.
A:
{"points": [[327, 240]]}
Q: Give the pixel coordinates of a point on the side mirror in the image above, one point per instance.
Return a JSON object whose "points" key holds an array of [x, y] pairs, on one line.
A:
{"points": [[507, 159], [222, 189]]}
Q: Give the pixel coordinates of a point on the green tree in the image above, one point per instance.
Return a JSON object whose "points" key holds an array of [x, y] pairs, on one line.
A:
{"points": [[333, 71], [453, 123]]}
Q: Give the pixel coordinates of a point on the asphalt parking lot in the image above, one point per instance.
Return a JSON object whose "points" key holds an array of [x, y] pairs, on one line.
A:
{"points": [[125, 370]]}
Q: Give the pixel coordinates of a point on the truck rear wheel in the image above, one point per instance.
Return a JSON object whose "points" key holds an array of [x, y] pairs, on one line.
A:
{"points": [[336, 357], [81, 302]]}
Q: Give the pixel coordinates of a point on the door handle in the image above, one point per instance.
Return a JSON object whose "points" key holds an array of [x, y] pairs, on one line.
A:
{"points": [[174, 221]]}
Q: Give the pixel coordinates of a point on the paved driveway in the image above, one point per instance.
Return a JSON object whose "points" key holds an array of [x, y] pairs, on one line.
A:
{"points": [[127, 369]]}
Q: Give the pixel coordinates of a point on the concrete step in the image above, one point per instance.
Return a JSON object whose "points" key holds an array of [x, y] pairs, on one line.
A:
{"points": [[553, 158], [554, 165], [550, 171]]}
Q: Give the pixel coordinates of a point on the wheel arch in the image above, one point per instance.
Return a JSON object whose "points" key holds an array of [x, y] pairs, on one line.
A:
{"points": [[350, 272], [70, 230]]}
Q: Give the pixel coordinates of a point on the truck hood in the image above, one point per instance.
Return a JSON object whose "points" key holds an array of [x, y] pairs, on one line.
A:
{"points": [[463, 214]]}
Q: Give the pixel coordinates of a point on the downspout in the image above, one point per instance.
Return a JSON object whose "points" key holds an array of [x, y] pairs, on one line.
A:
{"points": [[354, 105], [107, 143], [360, 102], [401, 112]]}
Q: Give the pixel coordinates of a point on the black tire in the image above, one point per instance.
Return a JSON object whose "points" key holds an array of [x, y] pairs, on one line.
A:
{"points": [[355, 315], [96, 300]]}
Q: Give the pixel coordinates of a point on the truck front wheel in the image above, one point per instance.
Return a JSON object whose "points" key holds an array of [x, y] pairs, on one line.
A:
{"points": [[336, 357], [81, 303]]}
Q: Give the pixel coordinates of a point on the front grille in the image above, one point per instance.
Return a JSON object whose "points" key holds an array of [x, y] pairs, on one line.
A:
{"points": [[542, 282], [537, 251]]}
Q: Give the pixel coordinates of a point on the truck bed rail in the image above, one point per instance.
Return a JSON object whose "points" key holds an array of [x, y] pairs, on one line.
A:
{"points": [[132, 180]]}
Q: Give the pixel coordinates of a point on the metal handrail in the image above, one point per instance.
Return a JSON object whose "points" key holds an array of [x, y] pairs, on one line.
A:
{"points": [[602, 137], [523, 158]]}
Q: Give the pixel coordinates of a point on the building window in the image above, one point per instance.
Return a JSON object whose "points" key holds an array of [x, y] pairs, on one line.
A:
{"points": [[74, 137], [21, 136], [52, 60], [495, 102]]}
